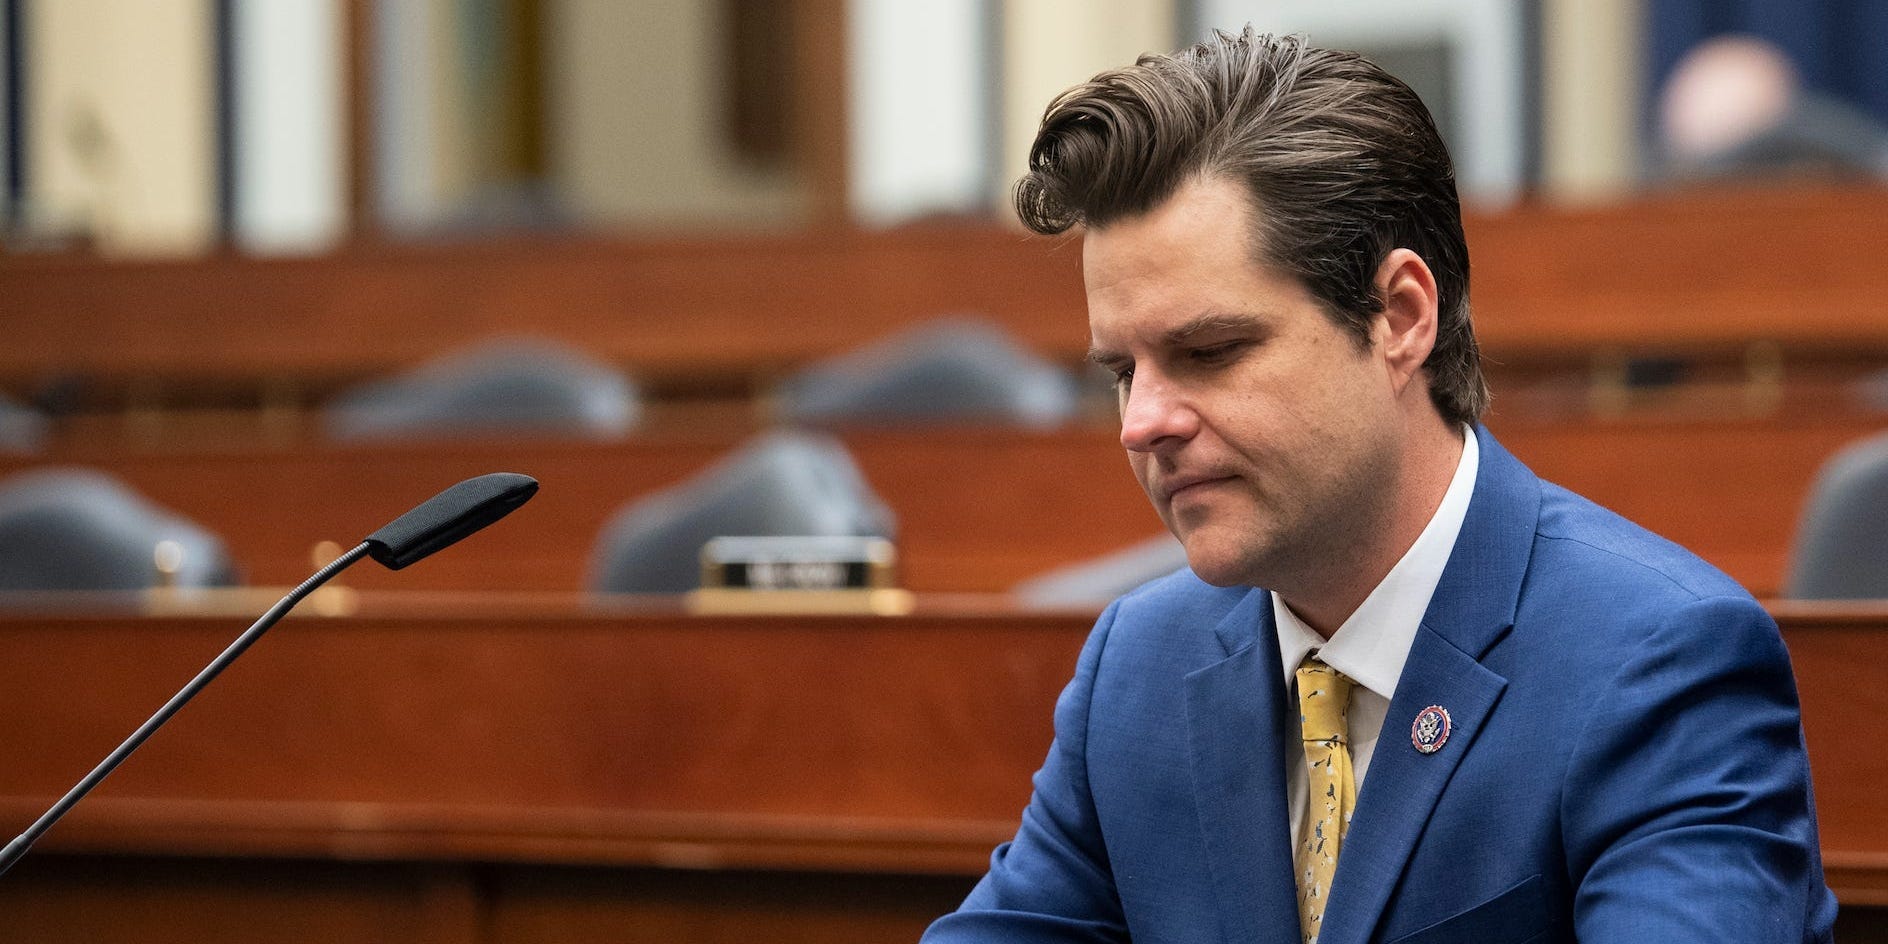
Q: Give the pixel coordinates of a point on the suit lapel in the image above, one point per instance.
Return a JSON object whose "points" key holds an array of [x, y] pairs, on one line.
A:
{"points": [[1403, 784], [1473, 608], [1236, 723]]}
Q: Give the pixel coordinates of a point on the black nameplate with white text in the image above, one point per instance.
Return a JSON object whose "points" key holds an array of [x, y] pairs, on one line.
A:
{"points": [[797, 563]]}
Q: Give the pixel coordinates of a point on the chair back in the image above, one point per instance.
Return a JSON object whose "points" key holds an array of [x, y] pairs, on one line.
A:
{"points": [[77, 529], [783, 483], [955, 370], [504, 387], [1841, 549]]}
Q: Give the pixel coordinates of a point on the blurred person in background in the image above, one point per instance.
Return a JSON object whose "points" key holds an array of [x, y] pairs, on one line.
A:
{"points": [[1735, 106]]}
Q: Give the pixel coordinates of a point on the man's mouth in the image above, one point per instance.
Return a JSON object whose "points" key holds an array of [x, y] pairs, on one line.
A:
{"points": [[1184, 483]]}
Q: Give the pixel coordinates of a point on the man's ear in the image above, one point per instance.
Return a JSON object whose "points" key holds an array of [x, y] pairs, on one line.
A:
{"points": [[1406, 329]]}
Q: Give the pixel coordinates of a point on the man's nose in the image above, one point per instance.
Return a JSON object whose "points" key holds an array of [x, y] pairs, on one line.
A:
{"points": [[1155, 414]]}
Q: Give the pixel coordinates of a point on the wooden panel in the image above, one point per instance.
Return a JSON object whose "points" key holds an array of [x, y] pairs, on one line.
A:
{"points": [[1837, 651], [1699, 270], [978, 510], [820, 136], [1690, 271], [552, 734], [590, 736], [504, 771], [55, 899], [703, 312], [360, 30], [66, 899], [541, 906]]}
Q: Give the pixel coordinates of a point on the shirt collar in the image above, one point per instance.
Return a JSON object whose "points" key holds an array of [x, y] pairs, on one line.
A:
{"points": [[1374, 641]]}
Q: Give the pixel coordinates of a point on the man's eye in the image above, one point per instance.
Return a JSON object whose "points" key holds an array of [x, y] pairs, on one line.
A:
{"points": [[1218, 353]]}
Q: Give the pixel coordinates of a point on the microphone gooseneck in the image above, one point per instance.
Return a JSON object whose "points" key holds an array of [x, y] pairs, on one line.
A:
{"points": [[433, 525], [25, 840]]}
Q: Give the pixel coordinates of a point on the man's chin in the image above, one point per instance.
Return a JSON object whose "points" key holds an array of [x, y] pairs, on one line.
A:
{"points": [[1220, 580], [1218, 569]]}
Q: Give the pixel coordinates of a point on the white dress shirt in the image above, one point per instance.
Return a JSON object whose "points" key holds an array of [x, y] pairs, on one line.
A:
{"points": [[1374, 641]]}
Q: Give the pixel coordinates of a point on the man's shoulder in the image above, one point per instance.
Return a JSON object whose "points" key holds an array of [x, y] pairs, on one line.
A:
{"points": [[1578, 541], [1605, 601]]}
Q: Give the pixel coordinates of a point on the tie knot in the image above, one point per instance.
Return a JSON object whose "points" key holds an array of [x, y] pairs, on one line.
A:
{"points": [[1323, 701]]}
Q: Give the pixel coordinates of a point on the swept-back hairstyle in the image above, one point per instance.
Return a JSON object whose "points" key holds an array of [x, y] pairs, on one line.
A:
{"points": [[1341, 161]]}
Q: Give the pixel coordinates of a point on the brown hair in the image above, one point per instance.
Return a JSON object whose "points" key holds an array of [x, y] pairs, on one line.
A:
{"points": [[1341, 159]]}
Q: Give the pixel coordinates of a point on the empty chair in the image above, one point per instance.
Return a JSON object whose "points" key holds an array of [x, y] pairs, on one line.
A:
{"points": [[1842, 540], [1098, 581], [22, 428], [76, 529], [516, 386], [953, 370], [781, 484]]}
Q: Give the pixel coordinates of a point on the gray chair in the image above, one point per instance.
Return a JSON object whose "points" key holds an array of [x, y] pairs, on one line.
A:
{"points": [[502, 387], [1096, 582], [955, 370], [783, 483], [76, 529], [1841, 547], [22, 428]]}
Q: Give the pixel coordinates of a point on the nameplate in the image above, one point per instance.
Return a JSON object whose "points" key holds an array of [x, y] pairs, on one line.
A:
{"points": [[805, 575], [798, 563]]}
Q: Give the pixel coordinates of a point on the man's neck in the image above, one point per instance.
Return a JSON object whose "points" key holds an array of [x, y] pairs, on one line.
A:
{"points": [[1428, 466]]}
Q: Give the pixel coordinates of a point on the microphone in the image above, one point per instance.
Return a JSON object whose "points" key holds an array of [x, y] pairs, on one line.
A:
{"points": [[444, 519], [431, 526]]}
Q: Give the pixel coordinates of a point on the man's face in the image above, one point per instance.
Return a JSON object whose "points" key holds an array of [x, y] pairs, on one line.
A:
{"points": [[1265, 437]]}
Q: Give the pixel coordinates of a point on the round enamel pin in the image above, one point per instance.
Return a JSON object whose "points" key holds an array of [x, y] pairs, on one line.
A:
{"points": [[1431, 729]]}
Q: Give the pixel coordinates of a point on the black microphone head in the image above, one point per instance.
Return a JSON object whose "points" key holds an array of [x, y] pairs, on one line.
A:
{"points": [[448, 516]]}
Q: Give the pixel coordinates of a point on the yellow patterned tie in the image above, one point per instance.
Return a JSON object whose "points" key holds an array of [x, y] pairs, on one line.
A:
{"points": [[1324, 700]]}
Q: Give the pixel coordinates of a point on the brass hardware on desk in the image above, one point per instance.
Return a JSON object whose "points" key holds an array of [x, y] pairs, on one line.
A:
{"points": [[1620, 384], [168, 558], [1763, 378], [1608, 392], [144, 412], [280, 413]]}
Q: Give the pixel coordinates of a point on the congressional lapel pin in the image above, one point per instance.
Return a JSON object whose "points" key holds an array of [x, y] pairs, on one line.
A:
{"points": [[1431, 729]]}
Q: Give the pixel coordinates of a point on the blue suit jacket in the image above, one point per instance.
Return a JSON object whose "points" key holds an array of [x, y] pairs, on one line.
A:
{"points": [[1626, 761]]}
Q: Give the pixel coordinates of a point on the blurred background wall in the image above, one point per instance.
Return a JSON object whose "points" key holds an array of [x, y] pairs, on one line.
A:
{"points": [[294, 125]]}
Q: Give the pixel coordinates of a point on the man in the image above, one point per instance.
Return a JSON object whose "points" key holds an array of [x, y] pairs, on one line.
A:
{"points": [[1559, 726]]}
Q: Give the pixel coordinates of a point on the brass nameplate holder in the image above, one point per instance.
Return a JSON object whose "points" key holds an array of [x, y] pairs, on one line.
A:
{"points": [[799, 575]]}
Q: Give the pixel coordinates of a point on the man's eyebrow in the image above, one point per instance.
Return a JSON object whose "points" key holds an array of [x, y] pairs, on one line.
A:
{"points": [[1212, 321]]}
